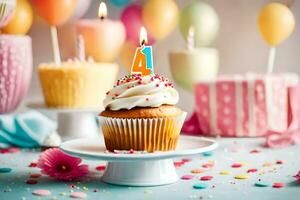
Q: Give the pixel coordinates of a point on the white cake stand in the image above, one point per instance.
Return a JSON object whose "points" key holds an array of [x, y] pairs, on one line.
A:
{"points": [[72, 123], [145, 169]]}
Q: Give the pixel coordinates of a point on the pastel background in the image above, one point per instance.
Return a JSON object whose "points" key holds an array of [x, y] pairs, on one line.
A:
{"points": [[240, 46]]}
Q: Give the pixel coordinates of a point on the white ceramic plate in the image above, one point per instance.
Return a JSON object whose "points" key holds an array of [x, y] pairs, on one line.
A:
{"points": [[89, 148]]}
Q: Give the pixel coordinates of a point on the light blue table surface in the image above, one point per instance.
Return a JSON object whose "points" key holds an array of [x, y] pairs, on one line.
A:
{"points": [[13, 186]]}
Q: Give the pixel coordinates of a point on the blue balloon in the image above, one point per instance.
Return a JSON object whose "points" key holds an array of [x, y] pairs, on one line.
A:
{"points": [[119, 3]]}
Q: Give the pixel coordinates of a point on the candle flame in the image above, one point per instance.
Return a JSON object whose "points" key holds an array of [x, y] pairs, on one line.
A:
{"points": [[143, 36], [102, 11]]}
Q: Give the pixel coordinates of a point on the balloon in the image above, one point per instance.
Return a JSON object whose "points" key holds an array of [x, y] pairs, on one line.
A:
{"points": [[204, 19], [81, 7], [275, 23], [55, 12], [132, 20], [21, 20], [160, 17], [127, 54], [7, 8], [119, 3]]}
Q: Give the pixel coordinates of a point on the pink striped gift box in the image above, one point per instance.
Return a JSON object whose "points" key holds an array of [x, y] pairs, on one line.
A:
{"points": [[243, 106]]}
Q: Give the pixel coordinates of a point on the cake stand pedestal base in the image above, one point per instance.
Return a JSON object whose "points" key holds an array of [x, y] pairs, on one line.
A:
{"points": [[146, 173], [72, 123]]}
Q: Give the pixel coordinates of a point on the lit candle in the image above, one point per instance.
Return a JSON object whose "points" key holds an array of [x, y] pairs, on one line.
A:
{"points": [[103, 37], [143, 59]]}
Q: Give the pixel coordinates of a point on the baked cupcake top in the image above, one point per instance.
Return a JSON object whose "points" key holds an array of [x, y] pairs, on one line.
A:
{"points": [[140, 91]]}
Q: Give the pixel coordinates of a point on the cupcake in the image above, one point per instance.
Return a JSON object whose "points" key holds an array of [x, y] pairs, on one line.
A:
{"points": [[140, 114], [73, 84]]}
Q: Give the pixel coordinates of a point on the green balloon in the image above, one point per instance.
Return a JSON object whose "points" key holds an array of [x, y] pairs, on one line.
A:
{"points": [[205, 21]]}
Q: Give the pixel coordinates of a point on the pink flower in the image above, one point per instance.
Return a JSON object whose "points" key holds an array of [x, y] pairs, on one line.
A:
{"points": [[297, 176], [61, 166]]}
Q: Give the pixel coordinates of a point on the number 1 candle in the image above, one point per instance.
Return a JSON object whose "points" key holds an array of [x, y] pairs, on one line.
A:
{"points": [[143, 59]]}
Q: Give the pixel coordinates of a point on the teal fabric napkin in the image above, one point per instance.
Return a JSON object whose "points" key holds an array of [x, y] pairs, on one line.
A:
{"points": [[29, 129]]}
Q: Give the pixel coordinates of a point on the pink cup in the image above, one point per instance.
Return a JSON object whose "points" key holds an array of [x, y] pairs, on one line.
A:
{"points": [[15, 70]]}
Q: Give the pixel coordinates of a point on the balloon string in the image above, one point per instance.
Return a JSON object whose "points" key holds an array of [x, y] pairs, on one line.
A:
{"points": [[271, 60], [55, 45]]}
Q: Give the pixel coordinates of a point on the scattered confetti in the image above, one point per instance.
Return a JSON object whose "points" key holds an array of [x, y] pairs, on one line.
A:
{"points": [[236, 165], [279, 162], [178, 164], [278, 185], [187, 177], [255, 151], [5, 170], [262, 184], [95, 190], [41, 192], [185, 160], [242, 176], [35, 175], [252, 170], [208, 165], [78, 195], [33, 164], [267, 164], [101, 167], [208, 154], [10, 150], [206, 178], [225, 172], [200, 186], [197, 171], [31, 182]]}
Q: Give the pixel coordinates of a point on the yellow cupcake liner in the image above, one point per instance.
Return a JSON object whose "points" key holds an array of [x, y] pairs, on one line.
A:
{"points": [[156, 134]]}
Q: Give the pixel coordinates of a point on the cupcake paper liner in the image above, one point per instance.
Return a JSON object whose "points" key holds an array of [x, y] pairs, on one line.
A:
{"points": [[155, 134]]}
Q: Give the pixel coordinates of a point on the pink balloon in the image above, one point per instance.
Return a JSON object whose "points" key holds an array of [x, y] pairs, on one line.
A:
{"points": [[132, 19]]}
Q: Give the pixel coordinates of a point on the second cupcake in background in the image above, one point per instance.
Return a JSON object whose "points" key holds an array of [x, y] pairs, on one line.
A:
{"points": [[140, 114]]}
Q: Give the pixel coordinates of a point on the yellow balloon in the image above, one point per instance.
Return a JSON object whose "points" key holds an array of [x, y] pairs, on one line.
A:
{"points": [[160, 17], [127, 54], [21, 20], [276, 22]]}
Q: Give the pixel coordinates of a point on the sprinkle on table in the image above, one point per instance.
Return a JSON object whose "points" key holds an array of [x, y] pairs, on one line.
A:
{"points": [[255, 151], [208, 154], [31, 182], [199, 186], [208, 165], [32, 164], [242, 176], [267, 164], [279, 162], [278, 185], [261, 184], [225, 172], [35, 175], [206, 178], [78, 195], [252, 170], [5, 170], [236, 165], [187, 177], [198, 171], [41, 192], [10, 150]]}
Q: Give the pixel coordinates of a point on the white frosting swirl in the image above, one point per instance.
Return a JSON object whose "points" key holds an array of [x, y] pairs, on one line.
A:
{"points": [[140, 91]]}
